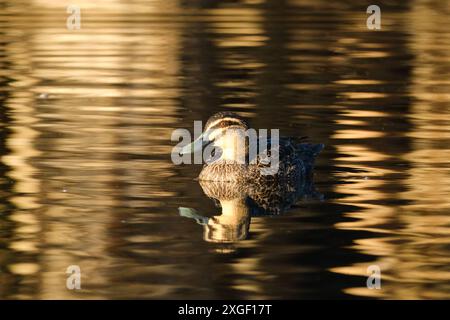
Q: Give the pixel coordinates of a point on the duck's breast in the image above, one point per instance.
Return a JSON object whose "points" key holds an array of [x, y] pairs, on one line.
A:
{"points": [[221, 171]]}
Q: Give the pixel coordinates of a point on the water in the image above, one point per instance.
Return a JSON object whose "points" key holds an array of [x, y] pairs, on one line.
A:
{"points": [[85, 172]]}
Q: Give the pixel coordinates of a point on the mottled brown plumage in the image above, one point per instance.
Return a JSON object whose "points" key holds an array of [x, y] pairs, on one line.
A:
{"points": [[272, 193]]}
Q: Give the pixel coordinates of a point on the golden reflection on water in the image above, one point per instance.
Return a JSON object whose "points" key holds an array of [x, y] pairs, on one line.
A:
{"points": [[78, 138], [409, 270], [86, 176]]}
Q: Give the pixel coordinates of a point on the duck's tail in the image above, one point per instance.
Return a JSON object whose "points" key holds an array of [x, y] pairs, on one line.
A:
{"points": [[308, 153]]}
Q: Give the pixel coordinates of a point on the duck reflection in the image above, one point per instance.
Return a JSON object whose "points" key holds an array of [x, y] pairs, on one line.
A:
{"points": [[238, 203], [233, 223]]}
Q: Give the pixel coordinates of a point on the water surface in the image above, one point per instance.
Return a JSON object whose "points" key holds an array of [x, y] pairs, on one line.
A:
{"points": [[86, 176]]}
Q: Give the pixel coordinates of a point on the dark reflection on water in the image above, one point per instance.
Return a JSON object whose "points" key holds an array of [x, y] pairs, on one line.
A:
{"points": [[85, 124]]}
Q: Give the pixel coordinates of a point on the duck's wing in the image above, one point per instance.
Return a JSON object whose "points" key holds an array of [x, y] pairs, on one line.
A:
{"points": [[273, 194], [286, 160], [286, 150], [308, 152]]}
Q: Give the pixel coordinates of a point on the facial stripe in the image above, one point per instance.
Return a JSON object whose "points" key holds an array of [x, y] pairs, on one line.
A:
{"points": [[225, 122]]}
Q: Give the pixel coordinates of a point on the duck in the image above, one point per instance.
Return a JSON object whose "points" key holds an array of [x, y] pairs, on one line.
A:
{"points": [[237, 182], [226, 136]]}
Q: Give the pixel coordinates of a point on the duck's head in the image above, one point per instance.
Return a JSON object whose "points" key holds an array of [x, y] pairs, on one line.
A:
{"points": [[223, 130], [226, 120]]}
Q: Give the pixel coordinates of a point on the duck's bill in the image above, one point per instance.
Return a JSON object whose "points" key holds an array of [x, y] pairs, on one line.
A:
{"points": [[195, 146]]}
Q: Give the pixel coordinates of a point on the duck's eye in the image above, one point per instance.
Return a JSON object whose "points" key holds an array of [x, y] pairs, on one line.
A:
{"points": [[216, 153], [212, 155]]}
